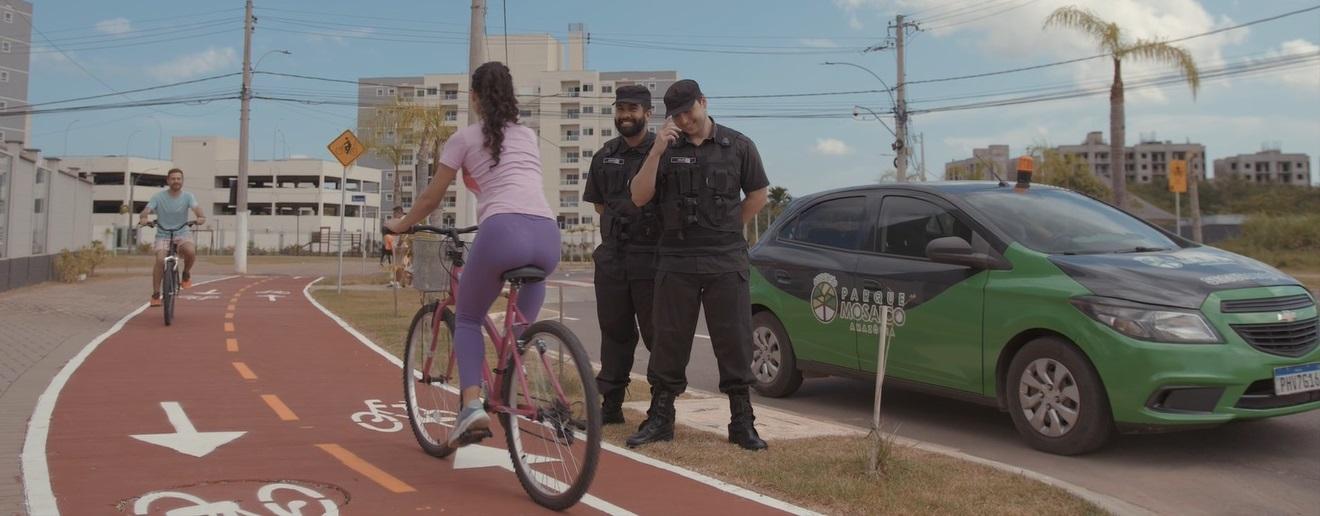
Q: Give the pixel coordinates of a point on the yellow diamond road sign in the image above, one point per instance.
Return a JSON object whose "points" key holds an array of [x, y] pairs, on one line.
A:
{"points": [[346, 148], [1178, 176]]}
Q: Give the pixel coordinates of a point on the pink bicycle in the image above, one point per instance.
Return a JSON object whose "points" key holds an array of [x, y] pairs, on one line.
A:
{"points": [[543, 391]]}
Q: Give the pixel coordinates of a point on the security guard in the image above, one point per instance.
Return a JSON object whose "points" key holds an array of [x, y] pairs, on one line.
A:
{"points": [[625, 260], [698, 173]]}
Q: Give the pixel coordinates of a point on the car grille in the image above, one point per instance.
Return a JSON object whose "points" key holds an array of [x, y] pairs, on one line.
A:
{"points": [[1272, 304], [1289, 339]]}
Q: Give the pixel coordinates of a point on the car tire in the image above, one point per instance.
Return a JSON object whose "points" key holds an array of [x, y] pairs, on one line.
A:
{"points": [[773, 363], [1049, 380]]}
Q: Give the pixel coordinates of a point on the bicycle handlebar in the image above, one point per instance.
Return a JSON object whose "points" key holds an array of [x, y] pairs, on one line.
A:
{"points": [[152, 224], [450, 232]]}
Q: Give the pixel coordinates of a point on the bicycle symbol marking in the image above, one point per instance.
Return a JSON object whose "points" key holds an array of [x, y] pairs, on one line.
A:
{"points": [[381, 417], [319, 504]]}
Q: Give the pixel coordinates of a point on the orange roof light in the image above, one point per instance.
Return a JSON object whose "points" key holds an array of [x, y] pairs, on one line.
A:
{"points": [[1025, 166]]}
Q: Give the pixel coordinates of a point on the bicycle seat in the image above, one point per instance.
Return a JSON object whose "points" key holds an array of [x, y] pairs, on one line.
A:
{"points": [[528, 274]]}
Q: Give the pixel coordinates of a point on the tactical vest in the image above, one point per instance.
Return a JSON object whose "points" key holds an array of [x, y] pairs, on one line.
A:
{"points": [[702, 188], [622, 221]]}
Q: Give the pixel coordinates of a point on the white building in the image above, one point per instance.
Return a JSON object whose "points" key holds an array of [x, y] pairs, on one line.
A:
{"points": [[1267, 166], [987, 163], [45, 208], [291, 202], [1146, 162], [569, 106]]}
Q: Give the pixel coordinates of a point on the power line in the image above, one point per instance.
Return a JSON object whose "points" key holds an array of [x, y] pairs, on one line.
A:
{"points": [[982, 17], [1098, 56], [122, 105], [139, 90]]}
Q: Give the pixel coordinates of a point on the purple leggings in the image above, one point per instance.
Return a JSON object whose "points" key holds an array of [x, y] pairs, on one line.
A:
{"points": [[505, 241]]}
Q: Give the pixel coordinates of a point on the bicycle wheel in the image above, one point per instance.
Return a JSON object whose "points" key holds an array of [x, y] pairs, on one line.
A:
{"points": [[167, 292], [430, 379], [554, 450]]}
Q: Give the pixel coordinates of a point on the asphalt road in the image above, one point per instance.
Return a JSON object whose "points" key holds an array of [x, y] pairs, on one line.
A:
{"points": [[1262, 467]]}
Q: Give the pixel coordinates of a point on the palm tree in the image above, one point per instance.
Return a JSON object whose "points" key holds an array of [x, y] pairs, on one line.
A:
{"points": [[1109, 37], [388, 135], [428, 123]]}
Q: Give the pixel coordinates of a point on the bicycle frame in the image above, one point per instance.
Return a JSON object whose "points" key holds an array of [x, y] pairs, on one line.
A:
{"points": [[505, 345]]}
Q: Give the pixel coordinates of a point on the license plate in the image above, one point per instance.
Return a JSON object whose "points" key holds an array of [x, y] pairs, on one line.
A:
{"points": [[1295, 379]]}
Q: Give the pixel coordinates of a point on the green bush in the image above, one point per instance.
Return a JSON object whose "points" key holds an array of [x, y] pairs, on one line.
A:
{"points": [[1289, 241], [71, 265], [1236, 196]]}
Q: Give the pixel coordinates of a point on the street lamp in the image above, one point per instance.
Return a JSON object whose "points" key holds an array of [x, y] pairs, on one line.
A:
{"points": [[160, 134], [888, 90], [269, 52], [900, 116], [856, 114], [128, 147], [66, 135]]}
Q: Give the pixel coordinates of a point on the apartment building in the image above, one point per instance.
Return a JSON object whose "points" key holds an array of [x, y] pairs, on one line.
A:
{"points": [[565, 102], [1267, 166], [1147, 161], [987, 163], [15, 61]]}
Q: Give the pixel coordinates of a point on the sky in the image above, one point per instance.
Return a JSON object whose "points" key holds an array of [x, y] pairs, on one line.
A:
{"points": [[733, 48]]}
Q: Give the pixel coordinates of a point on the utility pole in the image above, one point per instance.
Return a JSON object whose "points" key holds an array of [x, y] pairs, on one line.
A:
{"points": [[476, 56], [901, 116], [922, 137], [245, 96]]}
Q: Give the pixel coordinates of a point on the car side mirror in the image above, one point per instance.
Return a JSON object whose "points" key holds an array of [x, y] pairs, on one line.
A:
{"points": [[956, 251]]}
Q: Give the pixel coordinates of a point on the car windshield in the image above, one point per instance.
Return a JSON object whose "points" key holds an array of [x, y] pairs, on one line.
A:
{"points": [[1062, 222]]}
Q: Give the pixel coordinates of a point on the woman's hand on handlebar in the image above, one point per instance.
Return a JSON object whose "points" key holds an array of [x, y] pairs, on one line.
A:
{"points": [[396, 226]]}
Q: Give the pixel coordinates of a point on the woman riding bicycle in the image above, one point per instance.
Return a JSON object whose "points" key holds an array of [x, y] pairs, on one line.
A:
{"points": [[501, 164]]}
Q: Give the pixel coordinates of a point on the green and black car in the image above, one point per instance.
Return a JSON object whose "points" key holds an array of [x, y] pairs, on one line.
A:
{"points": [[1077, 318]]}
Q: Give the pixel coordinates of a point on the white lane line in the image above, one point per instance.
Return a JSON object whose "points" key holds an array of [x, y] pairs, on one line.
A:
{"points": [[36, 472]]}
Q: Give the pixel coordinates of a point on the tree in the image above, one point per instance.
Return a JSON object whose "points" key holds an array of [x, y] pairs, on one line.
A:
{"points": [[428, 124], [390, 136], [1067, 171], [1109, 37]]}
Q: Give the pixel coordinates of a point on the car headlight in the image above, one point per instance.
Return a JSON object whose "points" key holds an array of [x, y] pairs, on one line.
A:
{"points": [[1149, 323]]}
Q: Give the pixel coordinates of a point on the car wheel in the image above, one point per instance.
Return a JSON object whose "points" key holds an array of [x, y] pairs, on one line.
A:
{"points": [[773, 362], [1056, 398]]}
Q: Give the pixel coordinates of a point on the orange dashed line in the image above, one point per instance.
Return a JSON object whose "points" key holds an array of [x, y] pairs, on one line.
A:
{"points": [[229, 315], [231, 345], [229, 327], [231, 307], [355, 463], [244, 371], [279, 407]]}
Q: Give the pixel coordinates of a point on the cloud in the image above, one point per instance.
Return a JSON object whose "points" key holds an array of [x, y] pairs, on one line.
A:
{"points": [[192, 65], [818, 42], [114, 26], [831, 147], [341, 39], [1017, 33], [1305, 79]]}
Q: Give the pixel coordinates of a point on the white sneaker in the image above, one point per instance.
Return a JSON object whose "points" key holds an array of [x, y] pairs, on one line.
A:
{"points": [[472, 418]]}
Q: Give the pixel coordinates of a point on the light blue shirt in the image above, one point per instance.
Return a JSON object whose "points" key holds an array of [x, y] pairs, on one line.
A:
{"points": [[171, 212]]}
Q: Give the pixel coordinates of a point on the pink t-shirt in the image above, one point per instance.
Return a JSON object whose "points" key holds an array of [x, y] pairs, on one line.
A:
{"points": [[513, 186]]}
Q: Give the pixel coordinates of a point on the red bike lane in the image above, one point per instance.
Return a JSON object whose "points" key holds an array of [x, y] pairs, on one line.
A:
{"points": [[256, 402]]}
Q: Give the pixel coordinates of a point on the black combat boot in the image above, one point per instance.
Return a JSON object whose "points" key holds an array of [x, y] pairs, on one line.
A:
{"points": [[611, 408], [742, 430], [659, 425]]}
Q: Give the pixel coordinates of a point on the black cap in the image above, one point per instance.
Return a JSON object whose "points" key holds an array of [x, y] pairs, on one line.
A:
{"points": [[681, 96], [633, 94]]}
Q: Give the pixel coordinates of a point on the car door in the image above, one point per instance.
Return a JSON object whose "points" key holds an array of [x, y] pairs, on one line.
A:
{"points": [[938, 308], [811, 259]]}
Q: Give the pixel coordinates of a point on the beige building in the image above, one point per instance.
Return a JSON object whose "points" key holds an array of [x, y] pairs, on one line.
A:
{"points": [[567, 104], [988, 163], [1267, 166], [1147, 161], [45, 207], [291, 202]]}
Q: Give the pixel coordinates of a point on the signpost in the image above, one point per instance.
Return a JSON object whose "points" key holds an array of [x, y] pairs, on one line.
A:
{"points": [[346, 148], [1178, 185]]}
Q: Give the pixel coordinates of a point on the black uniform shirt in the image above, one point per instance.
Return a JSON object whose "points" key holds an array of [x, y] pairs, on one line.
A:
{"points": [[702, 250], [609, 183]]}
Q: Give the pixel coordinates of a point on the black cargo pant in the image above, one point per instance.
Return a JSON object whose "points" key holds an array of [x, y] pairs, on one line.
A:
{"points": [[726, 299], [623, 307]]}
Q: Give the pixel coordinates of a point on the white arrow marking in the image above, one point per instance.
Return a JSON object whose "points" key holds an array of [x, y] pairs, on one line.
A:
{"points": [[478, 456], [186, 439], [198, 297], [270, 297], [280, 292], [212, 292]]}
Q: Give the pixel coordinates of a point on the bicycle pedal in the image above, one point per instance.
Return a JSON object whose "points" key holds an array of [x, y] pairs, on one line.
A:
{"points": [[474, 436]]}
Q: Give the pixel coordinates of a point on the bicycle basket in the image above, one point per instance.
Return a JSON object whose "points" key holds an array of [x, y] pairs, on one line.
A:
{"points": [[431, 263]]}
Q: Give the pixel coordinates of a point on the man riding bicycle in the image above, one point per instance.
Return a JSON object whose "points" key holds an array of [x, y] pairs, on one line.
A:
{"points": [[171, 208]]}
